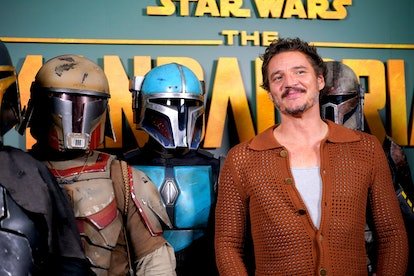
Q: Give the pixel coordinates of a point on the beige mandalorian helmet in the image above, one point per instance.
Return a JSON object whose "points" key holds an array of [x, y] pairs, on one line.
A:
{"points": [[69, 104]]}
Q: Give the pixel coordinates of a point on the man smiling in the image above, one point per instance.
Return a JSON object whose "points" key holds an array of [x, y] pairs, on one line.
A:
{"points": [[303, 186]]}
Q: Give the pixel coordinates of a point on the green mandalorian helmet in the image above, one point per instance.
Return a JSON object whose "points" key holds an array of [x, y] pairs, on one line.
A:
{"points": [[342, 98]]}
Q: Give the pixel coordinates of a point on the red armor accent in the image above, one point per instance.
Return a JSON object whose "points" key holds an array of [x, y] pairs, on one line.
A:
{"points": [[101, 219], [153, 228], [98, 166], [95, 138]]}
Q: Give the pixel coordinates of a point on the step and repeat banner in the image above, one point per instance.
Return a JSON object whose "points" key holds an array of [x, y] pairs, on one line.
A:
{"points": [[221, 41]]}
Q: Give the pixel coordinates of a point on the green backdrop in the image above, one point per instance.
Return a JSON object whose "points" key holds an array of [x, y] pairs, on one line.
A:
{"points": [[370, 22]]}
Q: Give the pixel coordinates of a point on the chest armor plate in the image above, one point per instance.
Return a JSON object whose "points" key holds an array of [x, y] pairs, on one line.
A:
{"points": [[18, 238], [188, 193], [90, 188]]}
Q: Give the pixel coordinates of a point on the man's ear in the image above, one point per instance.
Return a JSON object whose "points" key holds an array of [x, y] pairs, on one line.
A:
{"points": [[270, 96], [321, 82]]}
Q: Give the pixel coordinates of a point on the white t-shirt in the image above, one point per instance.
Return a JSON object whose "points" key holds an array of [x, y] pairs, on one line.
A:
{"points": [[309, 184]]}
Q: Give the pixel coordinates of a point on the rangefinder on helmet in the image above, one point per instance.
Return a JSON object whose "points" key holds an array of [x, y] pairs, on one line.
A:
{"points": [[168, 103], [342, 98], [68, 106], [9, 93]]}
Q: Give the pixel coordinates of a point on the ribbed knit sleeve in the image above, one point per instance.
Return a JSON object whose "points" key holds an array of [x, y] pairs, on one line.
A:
{"points": [[230, 220], [391, 236]]}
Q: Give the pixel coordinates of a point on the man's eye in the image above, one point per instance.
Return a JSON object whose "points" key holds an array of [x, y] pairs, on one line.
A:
{"points": [[277, 78]]}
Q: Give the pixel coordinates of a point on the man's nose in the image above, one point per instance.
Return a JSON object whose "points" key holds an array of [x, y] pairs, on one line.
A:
{"points": [[290, 80]]}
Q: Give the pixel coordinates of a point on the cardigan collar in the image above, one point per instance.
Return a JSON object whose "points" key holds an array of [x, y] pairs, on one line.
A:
{"points": [[336, 134]]}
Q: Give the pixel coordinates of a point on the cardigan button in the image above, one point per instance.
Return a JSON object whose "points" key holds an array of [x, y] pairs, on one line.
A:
{"points": [[289, 181], [323, 272], [302, 212], [283, 153]]}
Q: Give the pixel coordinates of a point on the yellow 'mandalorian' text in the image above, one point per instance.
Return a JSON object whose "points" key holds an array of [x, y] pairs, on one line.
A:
{"points": [[228, 94]]}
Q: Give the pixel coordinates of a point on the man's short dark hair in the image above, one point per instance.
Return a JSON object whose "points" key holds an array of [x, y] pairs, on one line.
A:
{"points": [[290, 44]]}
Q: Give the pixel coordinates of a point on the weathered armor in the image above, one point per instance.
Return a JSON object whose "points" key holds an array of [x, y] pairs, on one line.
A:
{"points": [[87, 181], [18, 237], [148, 201], [69, 117], [37, 233], [18, 233], [38, 211]]}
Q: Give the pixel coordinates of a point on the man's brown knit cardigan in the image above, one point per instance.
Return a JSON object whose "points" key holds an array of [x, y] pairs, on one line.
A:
{"points": [[256, 182]]}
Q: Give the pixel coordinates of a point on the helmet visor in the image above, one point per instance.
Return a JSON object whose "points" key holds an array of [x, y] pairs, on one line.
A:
{"points": [[77, 116], [9, 99], [175, 122]]}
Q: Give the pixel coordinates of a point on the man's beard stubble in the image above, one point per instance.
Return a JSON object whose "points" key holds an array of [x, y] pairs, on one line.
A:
{"points": [[296, 111]]}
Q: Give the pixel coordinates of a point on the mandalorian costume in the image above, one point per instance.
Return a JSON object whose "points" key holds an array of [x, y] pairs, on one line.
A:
{"points": [[342, 98], [118, 210], [37, 233], [168, 103], [342, 102], [404, 189]]}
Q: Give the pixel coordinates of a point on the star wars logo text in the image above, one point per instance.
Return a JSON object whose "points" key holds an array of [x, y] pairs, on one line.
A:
{"points": [[284, 9]]}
